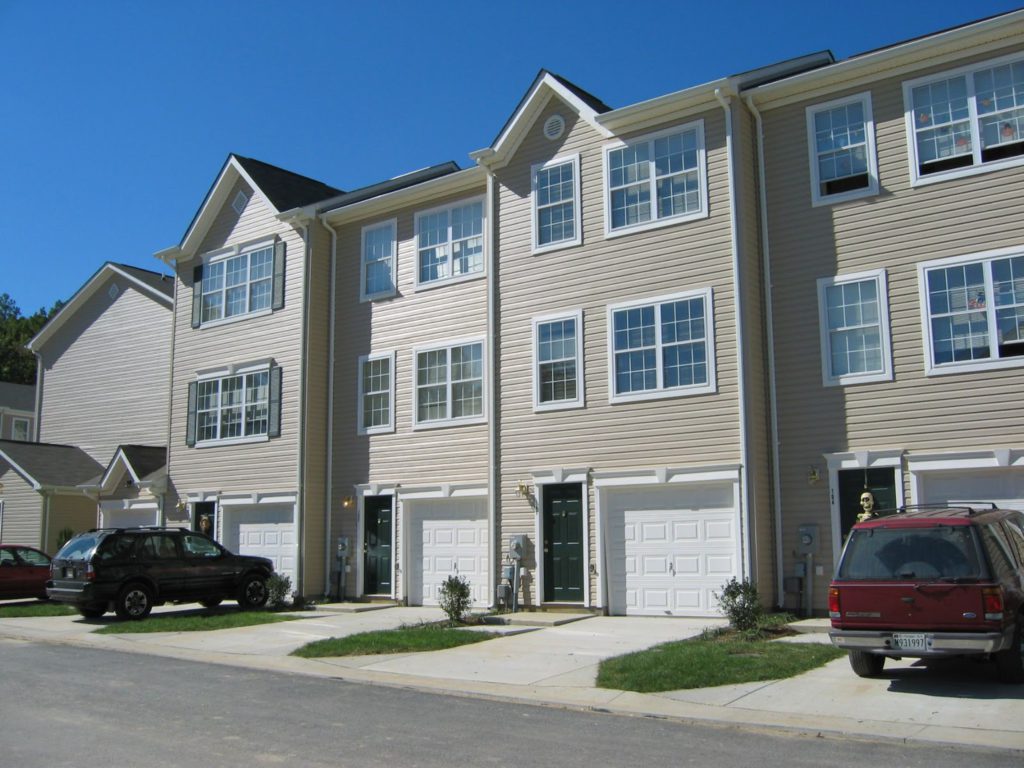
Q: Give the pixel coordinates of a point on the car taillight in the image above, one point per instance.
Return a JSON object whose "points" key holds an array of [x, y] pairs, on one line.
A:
{"points": [[89, 574], [833, 603], [992, 599]]}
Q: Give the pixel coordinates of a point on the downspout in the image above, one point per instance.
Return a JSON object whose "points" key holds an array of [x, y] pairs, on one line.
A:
{"points": [[37, 427], [725, 100], [170, 401], [328, 522], [492, 396], [300, 495], [772, 396], [44, 544]]}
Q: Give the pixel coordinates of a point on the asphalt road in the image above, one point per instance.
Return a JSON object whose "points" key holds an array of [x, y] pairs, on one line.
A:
{"points": [[65, 706]]}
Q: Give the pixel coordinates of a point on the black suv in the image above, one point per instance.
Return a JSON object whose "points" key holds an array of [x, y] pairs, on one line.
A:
{"points": [[133, 569], [932, 582]]}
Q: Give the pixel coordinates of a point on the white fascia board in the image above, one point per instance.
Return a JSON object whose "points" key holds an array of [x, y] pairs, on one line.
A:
{"points": [[444, 491], [671, 106], [36, 485], [453, 183], [994, 458], [668, 475]]}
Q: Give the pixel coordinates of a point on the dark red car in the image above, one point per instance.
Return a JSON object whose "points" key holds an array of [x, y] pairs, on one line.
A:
{"points": [[932, 583], [23, 572]]}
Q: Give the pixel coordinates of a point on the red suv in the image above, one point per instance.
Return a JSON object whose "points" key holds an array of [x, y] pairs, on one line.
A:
{"points": [[929, 583]]}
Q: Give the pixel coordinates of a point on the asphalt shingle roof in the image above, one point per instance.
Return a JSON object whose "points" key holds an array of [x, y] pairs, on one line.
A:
{"points": [[284, 189], [51, 465], [145, 459]]}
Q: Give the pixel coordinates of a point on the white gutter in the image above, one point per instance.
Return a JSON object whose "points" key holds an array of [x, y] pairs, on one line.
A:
{"points": [[170, 399], [773, 409], [328, 528], [37, 427], [492, 431], [300, 485], [725, 99]]}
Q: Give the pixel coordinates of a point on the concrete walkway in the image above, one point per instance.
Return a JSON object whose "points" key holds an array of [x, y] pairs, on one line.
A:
{"points": [[552, 659]]}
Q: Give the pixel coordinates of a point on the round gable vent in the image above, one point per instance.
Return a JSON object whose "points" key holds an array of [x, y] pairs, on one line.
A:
{"points": [[554, 127]]}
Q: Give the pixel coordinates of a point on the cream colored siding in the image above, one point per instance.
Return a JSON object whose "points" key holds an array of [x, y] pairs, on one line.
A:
{"points": [[105, 373], [262, 466], [72, 511], [23, 510], [895, 230]]}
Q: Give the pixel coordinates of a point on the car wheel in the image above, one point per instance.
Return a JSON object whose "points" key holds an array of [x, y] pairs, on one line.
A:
{"points": [[866, 664], [1010, 662], [213, 602], [91, 612], [134, 602], [253, 592]]}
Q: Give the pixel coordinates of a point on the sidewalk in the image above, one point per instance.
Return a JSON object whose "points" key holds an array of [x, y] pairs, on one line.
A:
{"points": [[555, 664]]}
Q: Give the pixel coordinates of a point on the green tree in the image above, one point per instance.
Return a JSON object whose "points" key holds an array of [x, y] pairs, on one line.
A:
{"points": [[17, 364]]}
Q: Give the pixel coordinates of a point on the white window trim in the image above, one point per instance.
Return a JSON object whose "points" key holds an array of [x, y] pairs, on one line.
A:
{"points": [[656, 223], [484, 233], [223, 254], [383, 428], [661, 393], [869, 141], [580, 400], [930, 368], [363, 295], [917, 180], [228, 372], [15, 421], [536, 248], [827, 378], [484, 385]]}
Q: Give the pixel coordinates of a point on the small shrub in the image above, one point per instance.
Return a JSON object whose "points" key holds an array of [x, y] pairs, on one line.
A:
{"points": [[454, 598], [64, 536], [741, 604], [279, 587]]}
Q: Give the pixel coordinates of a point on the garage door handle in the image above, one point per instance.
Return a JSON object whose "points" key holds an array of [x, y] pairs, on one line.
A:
{"points": [[672, 568]]}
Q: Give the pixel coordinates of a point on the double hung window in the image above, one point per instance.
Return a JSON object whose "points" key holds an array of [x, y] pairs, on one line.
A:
{"points": [[657, 179], [842, 150], [376, 393], [854, 322], [967, 120], [241, 406], [20, 429], [378, 261], [238, 282], [449, 384], [558, 362], [450, 243], [662, 347], [556, 209], [974, 311]]}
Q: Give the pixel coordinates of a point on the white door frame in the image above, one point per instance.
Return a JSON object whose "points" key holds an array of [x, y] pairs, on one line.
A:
{"points": [[888, 458], [560, 476]]}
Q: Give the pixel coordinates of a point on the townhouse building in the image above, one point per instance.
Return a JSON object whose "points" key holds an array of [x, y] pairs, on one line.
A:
{"points": [[637, 351], [17, 411]]}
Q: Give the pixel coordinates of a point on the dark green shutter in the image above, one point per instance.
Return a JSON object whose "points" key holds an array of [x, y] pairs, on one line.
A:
{"points": [[190, 429], [274, 404], [197, 296], [278, 275]]}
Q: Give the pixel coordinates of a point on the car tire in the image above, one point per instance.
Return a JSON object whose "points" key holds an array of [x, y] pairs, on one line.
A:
{"points": [[90, 611], [134, 602], [253, 593], [866, 664], [1010, 662], [213, 602]]}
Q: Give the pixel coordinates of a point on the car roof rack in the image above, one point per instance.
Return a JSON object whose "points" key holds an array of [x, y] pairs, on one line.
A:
{"points": [[970, 507]]}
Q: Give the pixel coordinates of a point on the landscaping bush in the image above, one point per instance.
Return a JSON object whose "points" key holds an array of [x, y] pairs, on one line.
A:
{"points": [[64, 536], [279, 587], [741, 604], [454, 598]]}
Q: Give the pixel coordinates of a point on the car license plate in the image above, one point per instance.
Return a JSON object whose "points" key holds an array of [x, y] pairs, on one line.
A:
{"points": [[914, 641], [69, 572]]}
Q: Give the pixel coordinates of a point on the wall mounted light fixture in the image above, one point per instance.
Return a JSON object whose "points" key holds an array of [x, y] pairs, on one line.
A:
{"points": [[522, 490], [348, 502]]}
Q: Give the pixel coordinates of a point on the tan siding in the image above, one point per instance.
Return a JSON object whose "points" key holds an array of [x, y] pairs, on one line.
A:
{"points": [[75, 512], [22, 512], [895, 230]]}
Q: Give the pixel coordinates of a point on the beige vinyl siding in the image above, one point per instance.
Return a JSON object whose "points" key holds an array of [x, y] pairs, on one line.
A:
{"points": [[677, 432], [894, 230], [7, 419], [22, 510], [260, 466], [105, 373], [69, 511]]}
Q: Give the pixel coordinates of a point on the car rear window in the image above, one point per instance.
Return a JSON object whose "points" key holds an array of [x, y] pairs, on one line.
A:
{"points": [[942, 552], [80, 547]]}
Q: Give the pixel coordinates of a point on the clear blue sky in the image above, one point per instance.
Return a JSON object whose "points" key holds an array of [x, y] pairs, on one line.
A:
{"points": [[117, 116]]}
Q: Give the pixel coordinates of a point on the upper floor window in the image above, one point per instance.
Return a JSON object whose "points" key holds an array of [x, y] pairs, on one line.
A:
{"points": [[662, 347], [968, 120], [242, 406], [20, 429], [378, 261], [243, 280], [974, 311], [841, 140], [656, 179], [556, 210], [854, 323], [450, 242], [558, 362], [449, 384], [376, 393]]}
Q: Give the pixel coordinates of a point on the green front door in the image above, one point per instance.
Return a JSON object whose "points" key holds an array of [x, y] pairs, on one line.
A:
{"points": [[881, 481], [563, 544], [377, 545]]}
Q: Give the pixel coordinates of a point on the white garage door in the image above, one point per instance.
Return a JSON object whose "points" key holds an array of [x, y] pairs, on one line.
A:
{"points": [[264, 532], [128, 518], [1004, 487], [671, 549], [446, 538]]}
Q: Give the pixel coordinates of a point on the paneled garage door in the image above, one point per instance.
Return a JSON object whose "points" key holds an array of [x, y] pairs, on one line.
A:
{"points": [[671, 549], [446, 538], [265, 532], [128, 518], [1004, 486]]}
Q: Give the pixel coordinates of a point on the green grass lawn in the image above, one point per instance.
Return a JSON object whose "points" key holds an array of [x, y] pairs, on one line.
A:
{"points": [[709, 661], [195, 622], [24, 610], [407, 639]]}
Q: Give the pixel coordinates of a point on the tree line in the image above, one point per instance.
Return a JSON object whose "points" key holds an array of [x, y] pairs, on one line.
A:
{"points": [[17, 364]]}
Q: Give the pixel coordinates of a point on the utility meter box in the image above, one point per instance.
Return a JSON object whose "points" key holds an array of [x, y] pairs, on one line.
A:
{"points": [[517, 546], [508, 572], [343, 548], [807, 540]]}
